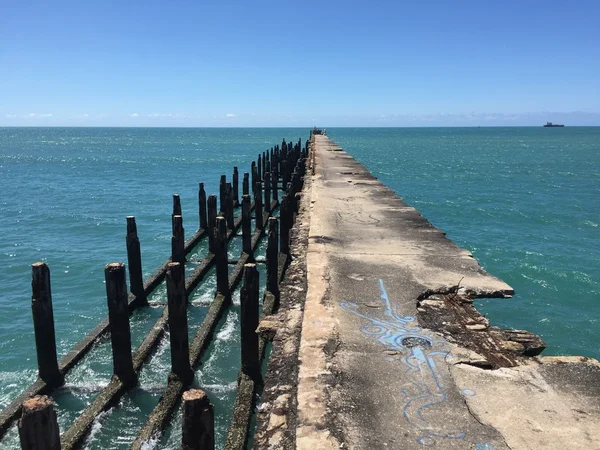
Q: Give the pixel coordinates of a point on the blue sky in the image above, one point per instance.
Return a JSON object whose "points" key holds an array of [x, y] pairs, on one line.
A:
{"points": [[329, 63]]}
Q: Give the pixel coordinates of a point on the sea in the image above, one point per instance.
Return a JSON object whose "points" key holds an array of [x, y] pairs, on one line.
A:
{"points": [[525, 201]]}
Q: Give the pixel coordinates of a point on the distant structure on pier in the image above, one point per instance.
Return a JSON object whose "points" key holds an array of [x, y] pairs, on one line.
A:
{"points": [[316, 130]]}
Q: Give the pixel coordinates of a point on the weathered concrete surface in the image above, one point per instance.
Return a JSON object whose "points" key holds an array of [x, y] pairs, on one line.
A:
{"points": [[371, 377]]}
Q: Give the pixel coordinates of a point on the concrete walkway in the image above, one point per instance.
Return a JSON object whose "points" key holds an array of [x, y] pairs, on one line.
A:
{"points": [[374, 375]]}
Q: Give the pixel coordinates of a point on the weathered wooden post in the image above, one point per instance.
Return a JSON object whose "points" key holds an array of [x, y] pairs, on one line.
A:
{"points": [[202, 207], [284, 231], [221, 257], [38, 426], [291, 199], [222, 194], [246, 225], [249, 322], [198, 421], [284, 173], [229, 205], [274, 180], [178, 240], [268, 191], [259, 167], [212, 222], [43, 325], [178, 324], [235, 184], [134, 261], [253, 177], [118, 317], [273, 258], [176, 205], [246, 184], [258, 205]]}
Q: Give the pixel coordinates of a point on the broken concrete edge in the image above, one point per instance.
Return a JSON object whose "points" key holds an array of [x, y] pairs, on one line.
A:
{"points": [[276, 414]]}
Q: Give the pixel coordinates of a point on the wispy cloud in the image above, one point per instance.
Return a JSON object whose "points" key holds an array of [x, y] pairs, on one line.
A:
{"points": [[134, 115], [27, 116], [230, 115]]}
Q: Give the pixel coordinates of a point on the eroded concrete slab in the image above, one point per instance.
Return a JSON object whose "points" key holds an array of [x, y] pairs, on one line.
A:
{"points": [[370, 376]]}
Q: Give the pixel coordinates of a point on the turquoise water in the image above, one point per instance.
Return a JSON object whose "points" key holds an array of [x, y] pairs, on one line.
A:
{"points": [[66, 194], [525, 201]]}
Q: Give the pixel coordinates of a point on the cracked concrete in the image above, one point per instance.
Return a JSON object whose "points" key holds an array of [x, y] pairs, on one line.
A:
{"points": [[371, 376]]}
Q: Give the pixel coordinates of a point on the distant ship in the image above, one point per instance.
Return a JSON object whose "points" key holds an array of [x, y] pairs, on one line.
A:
{"points": [[550, 124]]}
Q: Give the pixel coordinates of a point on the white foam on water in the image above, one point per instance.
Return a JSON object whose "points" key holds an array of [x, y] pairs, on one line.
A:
{"points": [[226, 332], [96, 427]]}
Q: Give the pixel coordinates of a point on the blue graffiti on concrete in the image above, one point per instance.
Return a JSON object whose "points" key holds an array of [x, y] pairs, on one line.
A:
{"points": [[484, 446], [425, 388]]}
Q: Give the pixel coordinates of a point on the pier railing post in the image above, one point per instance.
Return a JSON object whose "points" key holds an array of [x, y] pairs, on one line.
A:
{"points": [[134, 262], [249, 322], [235, 185], [198, 421], [246, 225], [38, 425], [212, 222], [43, 325], [267, 191], [178, 324], [258, 205], [202, 207], [273, 258], [284, 231], [246, 184], [118, 316], [221, 257], [178, 240]]}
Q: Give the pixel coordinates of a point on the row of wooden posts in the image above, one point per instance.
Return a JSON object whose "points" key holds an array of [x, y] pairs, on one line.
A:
{"points": [[38, 427]]}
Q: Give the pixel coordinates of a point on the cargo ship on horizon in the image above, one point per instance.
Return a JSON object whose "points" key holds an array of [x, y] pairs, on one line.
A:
{"points": [[550, 124]]}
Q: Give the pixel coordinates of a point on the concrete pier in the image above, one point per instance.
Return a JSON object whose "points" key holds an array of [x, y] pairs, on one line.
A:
{"points": [[391, 352]]}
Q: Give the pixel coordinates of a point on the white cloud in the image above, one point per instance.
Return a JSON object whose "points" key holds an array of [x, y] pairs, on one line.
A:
{"points": [[135, 115], [11, 116], [230, 115]]}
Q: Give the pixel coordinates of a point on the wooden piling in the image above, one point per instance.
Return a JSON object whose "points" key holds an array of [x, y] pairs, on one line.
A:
{"points": [[267, 202], [221, 257], [38, 425], [284, 231], [212, 222], [246, 225], [178, 324], [235, 185], [43, 325], [258, 205], [253, 177], [118, 316], [176, 205], [249, 322], [229, 206], [178, 240], [274, 180], [246, 184], [134, 262], [259, 168], [198, 421], [273, 258], [202, 207], [222, 194]]}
